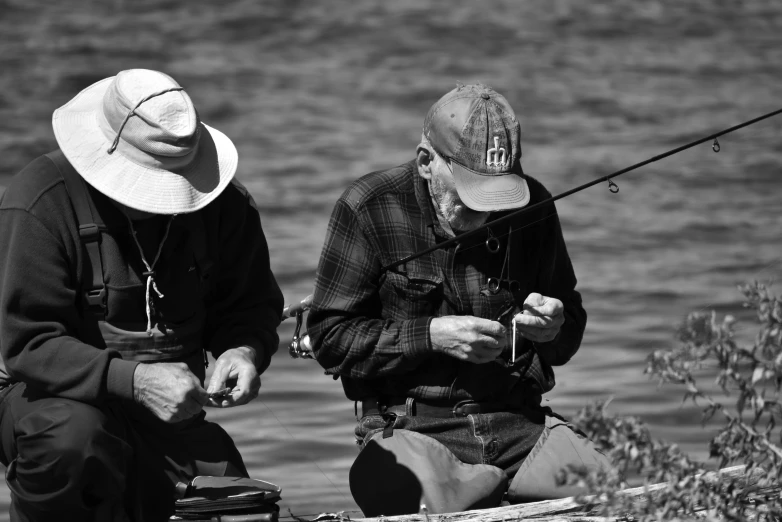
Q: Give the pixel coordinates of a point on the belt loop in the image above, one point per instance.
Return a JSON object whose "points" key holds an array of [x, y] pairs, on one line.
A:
{"points": [[410, 407]]}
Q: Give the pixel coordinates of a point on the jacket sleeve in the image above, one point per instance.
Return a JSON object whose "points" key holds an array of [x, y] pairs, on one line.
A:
{"points": [[246, 307], [348, 335], [557, 279], [39, 319]]}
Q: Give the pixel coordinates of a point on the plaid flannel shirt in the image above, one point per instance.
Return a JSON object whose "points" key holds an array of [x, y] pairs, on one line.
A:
{"points": [[372, 328]]}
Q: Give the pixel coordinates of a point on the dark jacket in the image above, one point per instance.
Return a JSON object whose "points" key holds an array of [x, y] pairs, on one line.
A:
{"points": [[48, 339]]}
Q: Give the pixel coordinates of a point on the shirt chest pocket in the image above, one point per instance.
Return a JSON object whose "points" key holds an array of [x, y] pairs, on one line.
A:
{"points": [[413, 295]]}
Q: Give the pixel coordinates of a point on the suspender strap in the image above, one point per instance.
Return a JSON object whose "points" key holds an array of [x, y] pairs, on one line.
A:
{"points": [[196, 225], [89, 234]]}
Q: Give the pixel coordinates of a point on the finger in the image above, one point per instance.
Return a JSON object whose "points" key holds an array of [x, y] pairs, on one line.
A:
{"points": [[487, 327], [256, 386], [484, 352], [540, 335], [253, 392], [527, 320], [457, 354], [241, 395], [532, 336], [486, 356], [200, 395], [190, 408], [488, 350], [485, 341], [549, 307], [220, 375], [218, 402], [534, 299], [245, 388], [557, 322], [532, 320]]}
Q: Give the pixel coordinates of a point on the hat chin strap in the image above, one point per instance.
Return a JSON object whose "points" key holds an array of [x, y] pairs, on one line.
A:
{"points": [[142, 157], [132, 111]]}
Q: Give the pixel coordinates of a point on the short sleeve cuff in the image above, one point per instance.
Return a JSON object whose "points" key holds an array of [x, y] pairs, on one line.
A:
{"points": [[119, 382], [415, 339]]}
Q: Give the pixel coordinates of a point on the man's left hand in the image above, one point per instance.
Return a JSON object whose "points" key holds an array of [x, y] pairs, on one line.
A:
{"points": [[235, 369], [541, 319]]}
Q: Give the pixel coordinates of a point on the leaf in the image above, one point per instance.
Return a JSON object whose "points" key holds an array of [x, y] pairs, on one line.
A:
{"points": [[758, 375], [740, 403]]}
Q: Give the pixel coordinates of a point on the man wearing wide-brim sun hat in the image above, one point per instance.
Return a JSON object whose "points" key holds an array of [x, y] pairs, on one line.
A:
{"points": [[128, 255]]}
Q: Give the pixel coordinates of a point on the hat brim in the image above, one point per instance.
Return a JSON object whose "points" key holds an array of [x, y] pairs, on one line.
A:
{"points": [[484, 193], [141, 187]]}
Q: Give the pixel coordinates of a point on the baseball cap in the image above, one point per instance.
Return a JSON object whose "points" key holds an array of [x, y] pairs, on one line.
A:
{"points": [[476, 128]]}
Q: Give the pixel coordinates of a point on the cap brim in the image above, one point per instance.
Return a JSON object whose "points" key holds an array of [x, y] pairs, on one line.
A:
{"points": [[141, 187], [490, 193]]}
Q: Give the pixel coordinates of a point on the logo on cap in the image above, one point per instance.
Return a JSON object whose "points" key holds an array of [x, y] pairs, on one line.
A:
{"points": [[496, 156]]}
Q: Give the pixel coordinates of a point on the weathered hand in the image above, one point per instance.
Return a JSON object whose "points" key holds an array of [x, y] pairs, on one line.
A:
{"points": [[235, 369], [541, 319], [467, 338], [169, 390]]}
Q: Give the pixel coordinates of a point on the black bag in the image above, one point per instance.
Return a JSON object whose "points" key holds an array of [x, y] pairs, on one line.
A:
{"points": [[226, 499]]}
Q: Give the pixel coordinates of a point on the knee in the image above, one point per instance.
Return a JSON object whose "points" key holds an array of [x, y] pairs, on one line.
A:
{"points": [[67, 435]]}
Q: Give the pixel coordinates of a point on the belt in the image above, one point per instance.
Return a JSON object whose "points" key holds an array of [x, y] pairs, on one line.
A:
{"points": [[423, 408]]}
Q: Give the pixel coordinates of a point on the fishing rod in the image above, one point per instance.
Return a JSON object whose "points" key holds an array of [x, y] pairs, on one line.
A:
{"points": [[299, 348], [611, 186]]}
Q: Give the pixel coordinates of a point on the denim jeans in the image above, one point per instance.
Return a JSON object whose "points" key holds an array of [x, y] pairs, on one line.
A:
{"points": [[500, 439]]}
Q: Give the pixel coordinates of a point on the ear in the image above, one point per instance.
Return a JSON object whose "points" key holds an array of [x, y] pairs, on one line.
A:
{"points": [[424, 160]]}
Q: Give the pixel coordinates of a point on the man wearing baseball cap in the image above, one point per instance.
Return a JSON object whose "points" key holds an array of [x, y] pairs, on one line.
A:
{"points": [[128, 254], [449, 405]]}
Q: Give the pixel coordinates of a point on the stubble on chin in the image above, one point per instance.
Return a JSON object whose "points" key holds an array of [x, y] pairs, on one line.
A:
{"points": [[459, 215], [467, 219]]}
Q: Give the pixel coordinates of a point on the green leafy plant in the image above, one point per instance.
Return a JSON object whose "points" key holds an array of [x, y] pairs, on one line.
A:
{"points": [[750, 379]]}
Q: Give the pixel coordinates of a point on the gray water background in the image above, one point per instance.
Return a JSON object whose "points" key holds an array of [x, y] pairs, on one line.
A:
{"points": [[315, 94]]}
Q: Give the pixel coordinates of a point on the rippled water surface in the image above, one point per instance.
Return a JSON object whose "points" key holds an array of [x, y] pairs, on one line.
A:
{"points": [[315, 94]]}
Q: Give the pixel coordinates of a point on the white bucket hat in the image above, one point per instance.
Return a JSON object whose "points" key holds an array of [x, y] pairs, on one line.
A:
{"points": [[137, 138]]}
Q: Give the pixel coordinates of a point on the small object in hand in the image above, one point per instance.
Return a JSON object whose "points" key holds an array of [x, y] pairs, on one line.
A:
{"points": [[220, 394], [507, 314]]}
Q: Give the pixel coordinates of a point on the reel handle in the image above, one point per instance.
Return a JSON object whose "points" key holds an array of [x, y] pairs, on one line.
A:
{"points": [[294, 309]]}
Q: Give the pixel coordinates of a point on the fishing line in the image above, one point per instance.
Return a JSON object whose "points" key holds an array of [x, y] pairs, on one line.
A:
{"points": [[613, 187], [294, 440]]}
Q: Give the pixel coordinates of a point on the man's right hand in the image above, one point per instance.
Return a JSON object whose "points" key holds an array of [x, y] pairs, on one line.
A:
{"points": [[169, 390], [467, 338]]}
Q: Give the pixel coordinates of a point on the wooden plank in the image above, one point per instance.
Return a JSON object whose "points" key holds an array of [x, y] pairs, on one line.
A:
{"points": [[572, 510]]}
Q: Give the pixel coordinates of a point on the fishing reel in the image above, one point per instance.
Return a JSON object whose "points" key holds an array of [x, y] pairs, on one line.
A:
{"points": [[300, 347]]}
